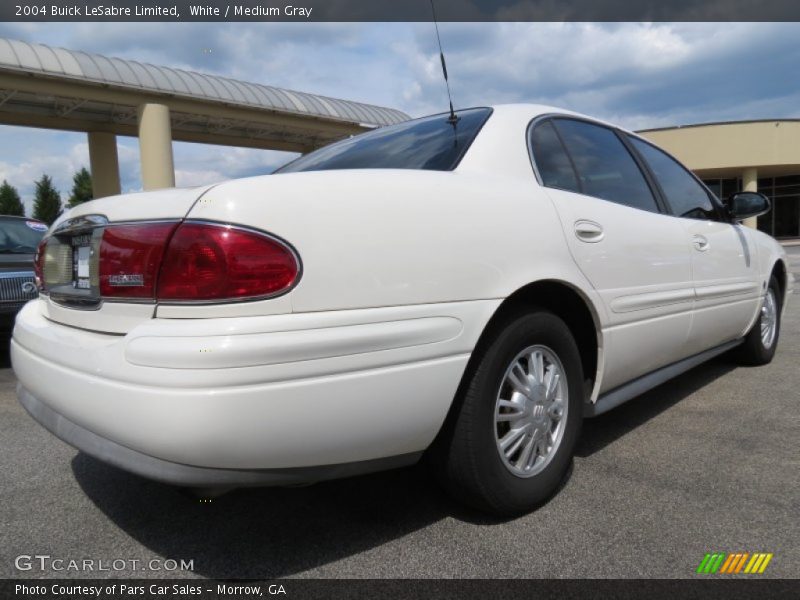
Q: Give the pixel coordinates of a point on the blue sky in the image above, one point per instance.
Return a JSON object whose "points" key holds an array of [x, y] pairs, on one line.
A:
{"points": [[638, 75]]}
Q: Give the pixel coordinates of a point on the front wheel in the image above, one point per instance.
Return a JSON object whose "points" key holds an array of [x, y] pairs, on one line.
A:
{"points": [[761, 342], [509, 445]]}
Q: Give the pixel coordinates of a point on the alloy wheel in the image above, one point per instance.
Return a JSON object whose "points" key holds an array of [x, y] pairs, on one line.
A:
{"points": [[531, 411]]}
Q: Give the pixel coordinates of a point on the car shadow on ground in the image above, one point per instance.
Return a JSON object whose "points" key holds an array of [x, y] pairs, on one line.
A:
{"points": [[276, 532], [270, 532], [5, 352]]}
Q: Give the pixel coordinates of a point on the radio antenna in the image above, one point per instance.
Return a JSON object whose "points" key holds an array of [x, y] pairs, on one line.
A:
{"points": [[453, 118]]}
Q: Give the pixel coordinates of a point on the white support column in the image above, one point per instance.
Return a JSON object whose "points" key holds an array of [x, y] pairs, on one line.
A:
{"points": [[104, 164], [155, 147], [750, 184]]}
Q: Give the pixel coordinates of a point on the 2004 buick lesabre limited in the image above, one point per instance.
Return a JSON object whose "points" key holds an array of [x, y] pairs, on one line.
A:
{"points": [[465, 288]]}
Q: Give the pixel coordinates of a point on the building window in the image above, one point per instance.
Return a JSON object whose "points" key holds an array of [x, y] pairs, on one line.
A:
{"points": [[786, 206], [723, 188]]}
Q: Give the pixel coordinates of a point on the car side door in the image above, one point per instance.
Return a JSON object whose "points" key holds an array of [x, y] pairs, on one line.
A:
{"points": [[636, 257], [724, 267]]}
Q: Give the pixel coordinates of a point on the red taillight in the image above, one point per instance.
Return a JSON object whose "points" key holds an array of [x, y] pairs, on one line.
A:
{"points": [[130, 256], [192, 261], [38, 264], [206, 261]]}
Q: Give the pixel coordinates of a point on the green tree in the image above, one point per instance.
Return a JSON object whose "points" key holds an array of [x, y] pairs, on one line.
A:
{"points": [[81, 188], [10, 204], [47, 201]]}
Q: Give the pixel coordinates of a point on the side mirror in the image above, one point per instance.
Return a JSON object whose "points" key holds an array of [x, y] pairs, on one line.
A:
{"points": [[743, 205]]}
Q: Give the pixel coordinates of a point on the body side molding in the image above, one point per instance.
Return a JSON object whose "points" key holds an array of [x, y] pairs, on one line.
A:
{"points": [[640, 385]]}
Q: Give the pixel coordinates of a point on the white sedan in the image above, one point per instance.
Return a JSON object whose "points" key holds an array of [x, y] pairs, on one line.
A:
{"points": [[466, 289]]}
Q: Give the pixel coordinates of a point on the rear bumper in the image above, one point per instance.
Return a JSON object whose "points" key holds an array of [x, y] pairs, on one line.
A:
{"points": [[187, 475], [243, 396]]}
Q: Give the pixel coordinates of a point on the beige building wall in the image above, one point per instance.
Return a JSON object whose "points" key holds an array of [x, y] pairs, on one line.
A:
{"points": [[726, 149]]}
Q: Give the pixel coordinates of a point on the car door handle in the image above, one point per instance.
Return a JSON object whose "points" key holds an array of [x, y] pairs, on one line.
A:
{"points": [[589, 231], [701, 243]]}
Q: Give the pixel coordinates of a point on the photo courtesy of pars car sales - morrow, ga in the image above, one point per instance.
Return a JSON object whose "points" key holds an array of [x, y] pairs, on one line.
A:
{"points": [[378, 299]]}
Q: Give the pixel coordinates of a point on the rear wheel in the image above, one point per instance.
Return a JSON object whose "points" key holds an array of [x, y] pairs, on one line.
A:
{"points": [[761, 342], [507, 448]]}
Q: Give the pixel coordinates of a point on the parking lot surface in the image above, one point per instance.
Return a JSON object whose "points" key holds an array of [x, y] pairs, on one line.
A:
{"points": [[707, 462]]}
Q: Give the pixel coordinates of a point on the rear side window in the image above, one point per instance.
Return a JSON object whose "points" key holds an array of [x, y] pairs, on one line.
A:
{"points": [[685, 195], [551, 159], [605, 167], [431, 143]]}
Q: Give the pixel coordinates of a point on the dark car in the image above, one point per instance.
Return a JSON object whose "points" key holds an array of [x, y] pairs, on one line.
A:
{"points": [[19, 237]]}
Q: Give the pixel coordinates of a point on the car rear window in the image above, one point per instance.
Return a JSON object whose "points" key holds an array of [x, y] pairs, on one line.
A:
{"points": [[430, 144], [20, 236]]}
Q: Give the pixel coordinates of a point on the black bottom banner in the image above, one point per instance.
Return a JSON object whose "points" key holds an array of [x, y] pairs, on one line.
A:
{"points": [[488, 589]]}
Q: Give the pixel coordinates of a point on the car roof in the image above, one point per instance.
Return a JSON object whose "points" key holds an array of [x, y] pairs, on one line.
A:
{"points": [[500, 148], [531, 111]]}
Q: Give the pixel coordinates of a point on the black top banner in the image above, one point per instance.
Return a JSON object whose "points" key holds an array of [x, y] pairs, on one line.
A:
{"points": [[399, 10]]}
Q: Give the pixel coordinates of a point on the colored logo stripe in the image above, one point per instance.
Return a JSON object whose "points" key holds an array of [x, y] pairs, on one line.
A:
{"points": [[740, 564], [735, 562], [758, 563], [722, 562], [711, 562], [726, 566]]}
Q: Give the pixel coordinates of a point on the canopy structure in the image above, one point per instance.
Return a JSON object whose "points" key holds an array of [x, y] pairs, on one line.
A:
{"points": [[71, 90]]}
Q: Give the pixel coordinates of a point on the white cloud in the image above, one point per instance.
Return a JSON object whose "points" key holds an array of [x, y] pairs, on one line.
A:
{"points": [[198, 164], [623, 69]]}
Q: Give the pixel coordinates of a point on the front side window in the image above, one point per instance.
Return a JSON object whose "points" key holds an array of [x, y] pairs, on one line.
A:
{"points": [[431, 144], [604, 166], [684, 193]]}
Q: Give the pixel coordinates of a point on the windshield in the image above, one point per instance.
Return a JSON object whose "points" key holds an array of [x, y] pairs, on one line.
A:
{"points": [[430, 143], [20, 236]]}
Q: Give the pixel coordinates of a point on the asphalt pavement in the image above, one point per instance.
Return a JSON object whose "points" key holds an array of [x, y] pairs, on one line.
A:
{"points": [[707, 462]]}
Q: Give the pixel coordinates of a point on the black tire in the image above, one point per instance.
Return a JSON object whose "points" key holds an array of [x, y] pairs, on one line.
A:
{"points": [[466, 454], [754, 351]]}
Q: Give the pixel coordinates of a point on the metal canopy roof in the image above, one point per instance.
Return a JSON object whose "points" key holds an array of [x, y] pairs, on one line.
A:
{"points": [[186, 91]]}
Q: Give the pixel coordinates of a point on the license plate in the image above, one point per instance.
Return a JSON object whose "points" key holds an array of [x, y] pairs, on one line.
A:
{"points": [[81, 255]]}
